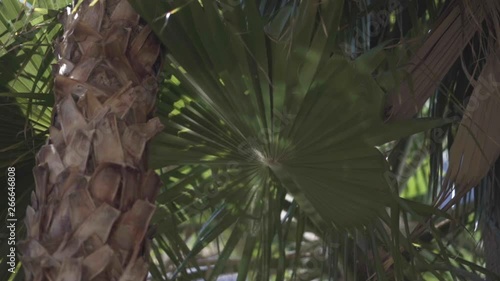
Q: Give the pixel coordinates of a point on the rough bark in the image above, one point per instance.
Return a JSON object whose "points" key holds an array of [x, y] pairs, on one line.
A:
{"points": [[94, 195]]}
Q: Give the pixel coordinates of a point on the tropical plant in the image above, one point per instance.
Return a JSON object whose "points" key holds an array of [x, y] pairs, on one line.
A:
{"points": [[276, 160]]}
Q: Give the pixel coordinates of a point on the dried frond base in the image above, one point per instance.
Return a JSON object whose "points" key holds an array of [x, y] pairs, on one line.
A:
{"points": [[94, 195]]}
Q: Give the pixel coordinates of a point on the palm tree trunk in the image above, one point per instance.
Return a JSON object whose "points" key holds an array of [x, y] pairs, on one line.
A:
{"points": [[94, 195]]}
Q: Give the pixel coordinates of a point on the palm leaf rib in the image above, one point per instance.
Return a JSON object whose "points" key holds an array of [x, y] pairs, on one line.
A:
{"points": [[94, 194]]}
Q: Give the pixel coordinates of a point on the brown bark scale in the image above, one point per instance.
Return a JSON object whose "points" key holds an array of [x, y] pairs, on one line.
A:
{"points": [[94, 195]]}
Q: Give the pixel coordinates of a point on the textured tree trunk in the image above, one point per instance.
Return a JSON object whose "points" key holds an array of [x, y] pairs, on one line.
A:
{"points": [[94, 195]]}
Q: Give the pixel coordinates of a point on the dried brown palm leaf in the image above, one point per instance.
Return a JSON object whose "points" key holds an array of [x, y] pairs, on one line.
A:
{"points": [[434, 58], [479, 137], [477, 144], [94, 195]]}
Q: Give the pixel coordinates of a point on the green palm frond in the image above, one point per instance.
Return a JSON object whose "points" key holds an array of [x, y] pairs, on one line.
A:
{"points": [[276, 116]]}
